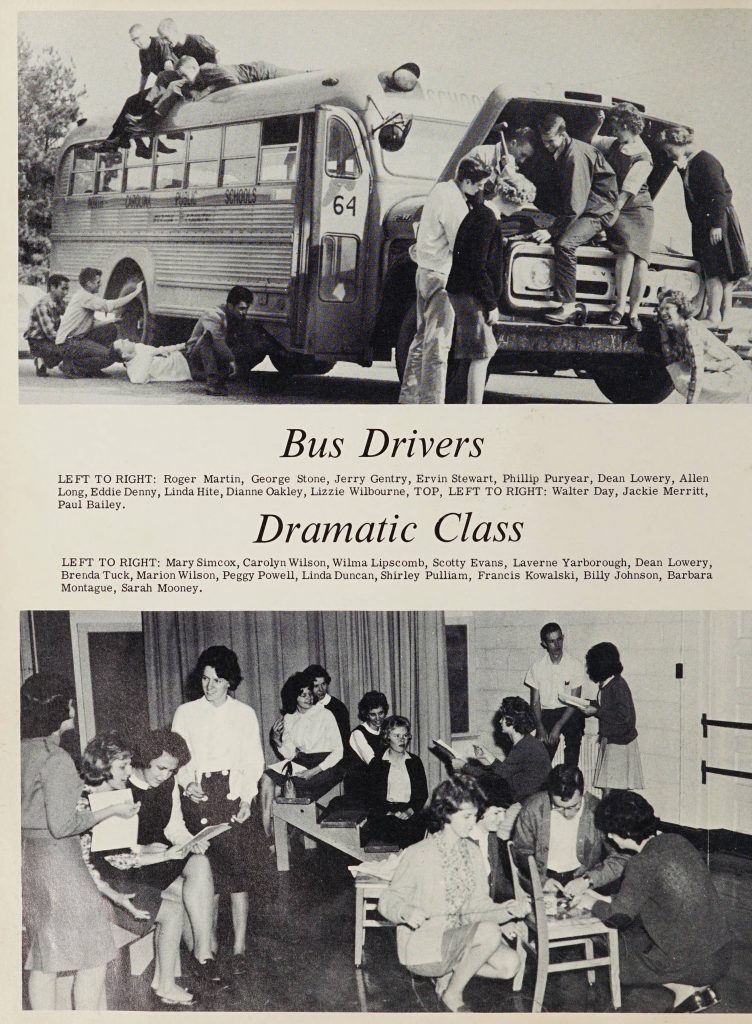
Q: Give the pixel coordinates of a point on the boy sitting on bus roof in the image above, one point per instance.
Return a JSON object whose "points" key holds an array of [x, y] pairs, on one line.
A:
{"points": [[197, 81], [184, 44]]}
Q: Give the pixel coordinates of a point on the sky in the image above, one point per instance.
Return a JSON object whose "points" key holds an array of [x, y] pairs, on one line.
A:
{"points": [[689, 66]]}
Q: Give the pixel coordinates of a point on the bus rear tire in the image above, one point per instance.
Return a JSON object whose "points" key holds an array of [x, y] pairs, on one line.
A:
{"points": [[645, 385], [136, 322], [296, 364]]}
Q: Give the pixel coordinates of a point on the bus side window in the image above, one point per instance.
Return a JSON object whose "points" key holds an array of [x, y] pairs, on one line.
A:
{"points": [[203, 157], [240, 155], [110, 172], [342, 159], [338, 278], [279, 149], [138, 172], [82, 178], [170, 163]]}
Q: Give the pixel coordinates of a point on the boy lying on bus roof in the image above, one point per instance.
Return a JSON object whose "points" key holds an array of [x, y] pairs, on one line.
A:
{"points": [[197, 81]]}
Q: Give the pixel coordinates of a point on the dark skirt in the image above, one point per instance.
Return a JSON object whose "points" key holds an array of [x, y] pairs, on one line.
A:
{"points": [[641, 962], [473, 337], [319, 784], [729, 258], [67, 920], [633, 231], [384, 827], [146, 884], [232, 855]]}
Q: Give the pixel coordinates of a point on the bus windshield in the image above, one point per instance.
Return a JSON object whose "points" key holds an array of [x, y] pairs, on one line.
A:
{"points": [[426, 150]]}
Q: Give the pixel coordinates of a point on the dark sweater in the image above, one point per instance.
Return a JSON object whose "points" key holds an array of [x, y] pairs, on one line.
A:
{"points": [[525, 767], [707, 194], [378, 780], [342, 718], [477, 258], [668, 890], [616, 713]]}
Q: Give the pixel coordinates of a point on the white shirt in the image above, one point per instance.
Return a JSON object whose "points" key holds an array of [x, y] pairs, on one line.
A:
{"points": [[398, 789], [552, 680], [361, 745], [78, 318], [175, 830], [224, 738], [444, 211], [312, 732], [150, 363], [562, 844]]}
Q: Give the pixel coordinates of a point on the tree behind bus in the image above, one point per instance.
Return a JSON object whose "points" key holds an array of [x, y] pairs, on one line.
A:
{"points": [[48, 104]]}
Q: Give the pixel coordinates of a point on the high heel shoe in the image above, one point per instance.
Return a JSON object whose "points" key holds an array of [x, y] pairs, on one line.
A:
{"points": [[615, 317], [635, 323]]}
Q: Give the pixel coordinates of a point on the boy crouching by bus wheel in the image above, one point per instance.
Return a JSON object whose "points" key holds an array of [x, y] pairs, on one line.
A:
{"points": [[224, 343]]}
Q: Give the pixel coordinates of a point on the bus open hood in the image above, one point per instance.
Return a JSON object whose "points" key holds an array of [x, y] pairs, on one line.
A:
{"points": [[525, 106]]}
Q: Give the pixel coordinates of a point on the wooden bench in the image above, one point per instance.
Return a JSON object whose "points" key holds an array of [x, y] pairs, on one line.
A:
{"points": [[339, 831]]}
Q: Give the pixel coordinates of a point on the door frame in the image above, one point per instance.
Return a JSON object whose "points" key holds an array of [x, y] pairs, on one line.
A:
{"points": [[82, 624]]}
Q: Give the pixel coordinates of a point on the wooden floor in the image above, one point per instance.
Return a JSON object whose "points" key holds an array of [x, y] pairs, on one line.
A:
{"points": [[300, 955]]}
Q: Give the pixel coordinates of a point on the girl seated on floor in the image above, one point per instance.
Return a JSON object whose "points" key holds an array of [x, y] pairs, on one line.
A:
{"points": [[702, 367], [448, 927], [671, 926]]}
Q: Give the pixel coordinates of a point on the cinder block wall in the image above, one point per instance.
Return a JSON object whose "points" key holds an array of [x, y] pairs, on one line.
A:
{"points": [[501, 646]]}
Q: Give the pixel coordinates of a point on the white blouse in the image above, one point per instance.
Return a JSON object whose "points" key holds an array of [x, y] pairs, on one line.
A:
{"points": [[224, 738], [312, 732]]}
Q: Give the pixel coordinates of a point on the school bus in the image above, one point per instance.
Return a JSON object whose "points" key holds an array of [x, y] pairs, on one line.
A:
{"points": [[306, 189]]}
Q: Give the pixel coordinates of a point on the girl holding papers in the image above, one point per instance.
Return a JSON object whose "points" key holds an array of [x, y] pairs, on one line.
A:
{"points": [[67, 922]]}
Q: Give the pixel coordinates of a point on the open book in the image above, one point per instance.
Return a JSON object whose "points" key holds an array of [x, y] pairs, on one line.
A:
{"points": [[576, 702], [208, 833], [444, 748]]}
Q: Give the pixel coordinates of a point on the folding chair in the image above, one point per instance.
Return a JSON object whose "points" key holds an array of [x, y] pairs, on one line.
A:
{"points": [[552, 933]]}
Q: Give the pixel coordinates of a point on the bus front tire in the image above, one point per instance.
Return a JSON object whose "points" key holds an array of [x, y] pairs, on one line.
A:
{"points": [[296, 364], [646, 384]]}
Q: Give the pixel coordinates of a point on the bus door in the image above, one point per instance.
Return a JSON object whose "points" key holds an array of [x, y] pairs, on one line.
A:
{"points": [[341, 194]]}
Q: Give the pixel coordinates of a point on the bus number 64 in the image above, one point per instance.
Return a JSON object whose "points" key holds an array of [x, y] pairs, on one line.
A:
{"points": [[340, 206]]}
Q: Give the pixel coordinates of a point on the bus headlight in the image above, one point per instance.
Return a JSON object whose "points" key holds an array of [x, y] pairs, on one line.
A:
{"points": [[532, 274], [685, 281]]}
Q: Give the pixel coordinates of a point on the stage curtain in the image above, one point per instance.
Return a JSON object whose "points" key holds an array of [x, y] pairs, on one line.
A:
{"points": [[403, 654]]}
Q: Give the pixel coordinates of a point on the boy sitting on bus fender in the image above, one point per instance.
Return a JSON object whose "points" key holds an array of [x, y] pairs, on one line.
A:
{"points": [[209, 354], [146, 363]]}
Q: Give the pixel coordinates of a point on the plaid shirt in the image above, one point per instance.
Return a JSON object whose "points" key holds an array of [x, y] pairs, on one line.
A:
{"points": [[44, 320]]}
